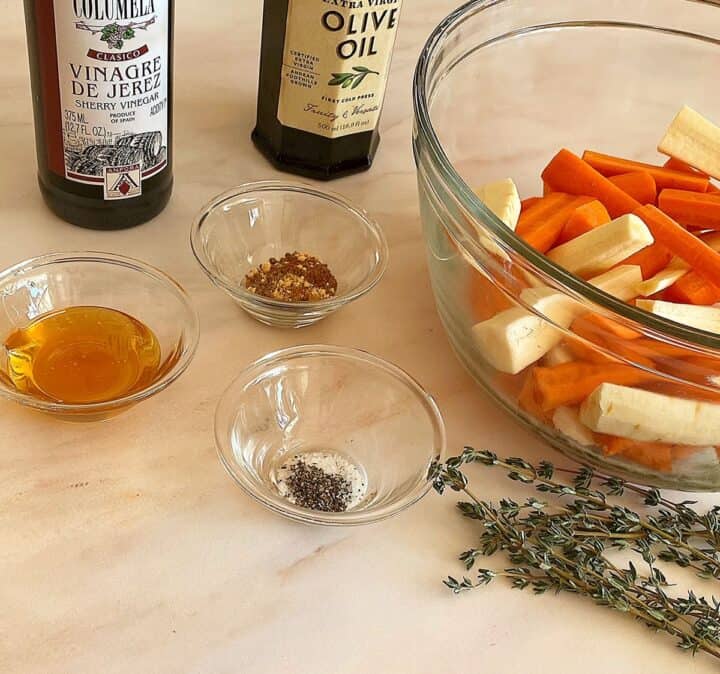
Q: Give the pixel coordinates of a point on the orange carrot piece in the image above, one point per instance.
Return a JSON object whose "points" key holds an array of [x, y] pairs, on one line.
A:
{"points": [[547, 189], [525, 204], [583, 219], [527, 399], [607, 327], [686, 391], [636, 351], [542, 223], [566, 172], [692, 289], [698, 255], [664, 177], [640, 185], [651, 260], [654, 455], [570, 383], [679, 165], [691, 209]]}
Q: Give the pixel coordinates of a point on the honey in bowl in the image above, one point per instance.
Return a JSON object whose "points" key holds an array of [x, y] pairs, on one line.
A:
{"points": [[82, 355]]}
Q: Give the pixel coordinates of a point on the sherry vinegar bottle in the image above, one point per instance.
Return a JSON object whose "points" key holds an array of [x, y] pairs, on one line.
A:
{"points": [[101, 74], [323, 71]]}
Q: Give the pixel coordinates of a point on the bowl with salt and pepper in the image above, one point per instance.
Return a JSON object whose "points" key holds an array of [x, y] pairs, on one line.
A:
{"points": [[289, 254], [329, 435]]}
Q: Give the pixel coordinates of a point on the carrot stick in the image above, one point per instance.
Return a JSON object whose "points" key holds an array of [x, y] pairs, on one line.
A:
{"points": [[525, 204], [585, 218], [640, 185], [654, 455], [636, 351], [698, 255], [692, 289], [541, 224], [571, 383], [664, 177], [607, 327], [527, 399], [651, 259], [566, 172], [680, 165], [691, 209]]}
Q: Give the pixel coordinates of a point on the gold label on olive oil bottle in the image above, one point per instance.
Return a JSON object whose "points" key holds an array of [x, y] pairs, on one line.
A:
{"points": [[335, 64]]}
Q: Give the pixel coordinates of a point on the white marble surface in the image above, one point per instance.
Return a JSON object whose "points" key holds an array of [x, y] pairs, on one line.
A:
{"points": [[124, 547]]}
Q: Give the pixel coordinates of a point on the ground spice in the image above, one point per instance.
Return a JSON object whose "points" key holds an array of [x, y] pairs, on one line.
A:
{"points": [[321, 481], [295, 277]]}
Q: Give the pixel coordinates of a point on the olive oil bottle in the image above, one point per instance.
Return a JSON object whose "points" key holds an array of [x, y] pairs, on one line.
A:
{"points": [[101, 75], [323, 72]]}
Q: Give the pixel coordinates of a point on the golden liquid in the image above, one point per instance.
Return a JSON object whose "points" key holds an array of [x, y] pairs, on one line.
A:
{"points": [[82, 355]]}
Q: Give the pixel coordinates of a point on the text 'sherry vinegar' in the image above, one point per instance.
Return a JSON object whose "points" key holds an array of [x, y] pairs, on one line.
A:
{"points": [[101, 74]]}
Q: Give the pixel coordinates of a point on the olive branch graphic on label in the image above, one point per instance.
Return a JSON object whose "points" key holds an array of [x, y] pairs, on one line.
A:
{"points": [[351, 80], [115, 34]]}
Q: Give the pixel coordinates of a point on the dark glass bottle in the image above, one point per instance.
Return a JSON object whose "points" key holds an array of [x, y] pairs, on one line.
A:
{"points": [[323, 73], [101, 77]]}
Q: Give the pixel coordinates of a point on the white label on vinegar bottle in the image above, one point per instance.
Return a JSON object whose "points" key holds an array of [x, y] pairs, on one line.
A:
{"points": [[113, 81]]}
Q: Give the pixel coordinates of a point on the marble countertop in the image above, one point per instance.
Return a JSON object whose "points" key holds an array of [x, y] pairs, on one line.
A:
{"points": [[124, 546]]}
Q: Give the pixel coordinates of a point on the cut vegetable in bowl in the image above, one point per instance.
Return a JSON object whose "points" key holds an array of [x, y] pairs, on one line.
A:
{"points": [[502, 198], [602, 381], [603, 247], [664, 178], [702, 318], [695, 140], [640, 185], [651, 417], [517, 337]]}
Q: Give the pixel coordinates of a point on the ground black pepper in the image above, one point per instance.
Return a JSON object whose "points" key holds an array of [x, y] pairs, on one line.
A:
{"points": [[295, 277], [311, 487]]}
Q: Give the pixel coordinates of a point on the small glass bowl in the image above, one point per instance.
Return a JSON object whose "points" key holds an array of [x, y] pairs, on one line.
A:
{"points": [[248, 225], [335, 400], [60, 280]]}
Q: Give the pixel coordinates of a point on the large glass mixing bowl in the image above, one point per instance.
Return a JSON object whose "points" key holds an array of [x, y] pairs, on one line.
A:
{"points": [[500, 87]]}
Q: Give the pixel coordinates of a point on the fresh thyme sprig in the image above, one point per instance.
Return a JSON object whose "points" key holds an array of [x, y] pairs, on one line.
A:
{"points": [[562, 546]]}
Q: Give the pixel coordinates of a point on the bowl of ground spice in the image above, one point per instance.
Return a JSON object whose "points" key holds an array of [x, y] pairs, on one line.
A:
{"points": [[329, 435], [289, 254]]}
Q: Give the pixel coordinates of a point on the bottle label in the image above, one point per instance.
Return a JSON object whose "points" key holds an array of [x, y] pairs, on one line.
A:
{"points": [[113, 82], [336, 59]]}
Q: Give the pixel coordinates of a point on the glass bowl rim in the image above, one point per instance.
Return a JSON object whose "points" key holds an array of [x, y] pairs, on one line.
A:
{"points": [[237, 291], [34, 263], [280, 505], [469, 202]]}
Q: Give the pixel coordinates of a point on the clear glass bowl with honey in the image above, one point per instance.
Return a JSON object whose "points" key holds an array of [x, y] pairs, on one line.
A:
{"points": [[84, 336]]}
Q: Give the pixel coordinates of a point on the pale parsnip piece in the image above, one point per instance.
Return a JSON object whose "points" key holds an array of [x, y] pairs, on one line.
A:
{"points": [[694, 140], [502, 198], [603, 247], [516, 338], [675, 270], [651, 417], [567, 421], [695, 316]]}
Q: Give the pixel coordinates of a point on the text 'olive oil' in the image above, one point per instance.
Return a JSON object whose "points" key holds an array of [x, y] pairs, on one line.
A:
{"points": [[323, 72]]}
